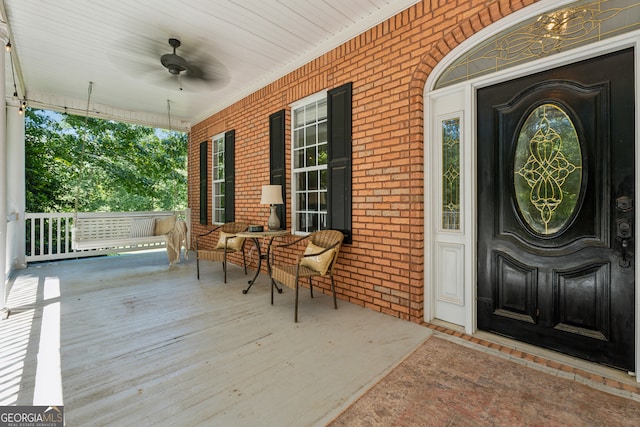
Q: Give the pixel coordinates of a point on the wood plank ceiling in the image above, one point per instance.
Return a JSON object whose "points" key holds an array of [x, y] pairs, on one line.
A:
{"points": [[59, 46]]}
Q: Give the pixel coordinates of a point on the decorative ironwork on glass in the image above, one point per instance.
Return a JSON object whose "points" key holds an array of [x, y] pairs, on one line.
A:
{"points": [[451, 174], [557, 31], [547, 169]]}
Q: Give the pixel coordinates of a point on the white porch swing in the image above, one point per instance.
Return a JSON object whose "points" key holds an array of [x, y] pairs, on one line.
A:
{"points": [[129, 231]]}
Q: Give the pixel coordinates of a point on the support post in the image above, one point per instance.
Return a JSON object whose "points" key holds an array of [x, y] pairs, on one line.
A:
{"points": [[4, 162]]}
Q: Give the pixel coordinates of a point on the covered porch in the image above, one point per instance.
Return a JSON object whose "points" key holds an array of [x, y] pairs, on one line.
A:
{"points": [[127, 340]]}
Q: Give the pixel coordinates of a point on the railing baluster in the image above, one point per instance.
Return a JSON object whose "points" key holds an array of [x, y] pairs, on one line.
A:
{"points": [[33, 236], [50, 236], [58, 222]]}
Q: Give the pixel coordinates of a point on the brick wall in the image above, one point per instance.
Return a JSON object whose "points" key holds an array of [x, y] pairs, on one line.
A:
{"points": [[389, 64]]}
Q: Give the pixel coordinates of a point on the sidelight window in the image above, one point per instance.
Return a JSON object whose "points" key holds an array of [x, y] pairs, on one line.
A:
{"points": [[451, 174]]}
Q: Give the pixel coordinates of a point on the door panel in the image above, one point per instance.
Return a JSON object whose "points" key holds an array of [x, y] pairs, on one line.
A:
{"points": [[555, 211]]}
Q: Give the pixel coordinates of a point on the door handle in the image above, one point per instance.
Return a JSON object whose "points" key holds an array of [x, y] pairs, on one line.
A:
{"points": [[624, 231], [624, 262]]}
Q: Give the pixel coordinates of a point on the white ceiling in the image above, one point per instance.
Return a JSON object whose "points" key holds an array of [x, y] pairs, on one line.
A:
{"points": [[59, 46]]}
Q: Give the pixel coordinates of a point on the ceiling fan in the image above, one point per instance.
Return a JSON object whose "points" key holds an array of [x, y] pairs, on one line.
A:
{"points": [[200, 71], [176, 64]]}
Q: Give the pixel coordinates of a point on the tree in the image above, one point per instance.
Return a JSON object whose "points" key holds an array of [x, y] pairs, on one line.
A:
{"points": [[106, 165]]}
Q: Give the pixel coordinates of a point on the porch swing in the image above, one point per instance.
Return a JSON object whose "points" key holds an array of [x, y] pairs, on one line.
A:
{"points": [[128, 231]]}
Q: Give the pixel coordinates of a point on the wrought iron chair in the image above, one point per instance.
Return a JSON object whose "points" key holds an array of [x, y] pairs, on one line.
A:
{"points": [[228, 243], [318, 259]]}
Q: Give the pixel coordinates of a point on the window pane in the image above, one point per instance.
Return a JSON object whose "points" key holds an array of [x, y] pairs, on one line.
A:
{"points": [[298, 117], [547, 170], [302, 221], [451, 174], [313, 201], [313, 221], [323, 201], [313, 180], [323, 221], [301, 181], [301, 201], [298, 158], [298, 138], [322, 109], [310, 113], [322, 154], [311, 156], [322, 132], [220, 168], [311, 136]]}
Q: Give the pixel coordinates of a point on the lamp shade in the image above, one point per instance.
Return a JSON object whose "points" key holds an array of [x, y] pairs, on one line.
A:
{"points": [[271, 195]]}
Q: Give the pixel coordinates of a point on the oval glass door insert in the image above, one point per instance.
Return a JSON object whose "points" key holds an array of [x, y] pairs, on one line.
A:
{"points": [[547, 169]]}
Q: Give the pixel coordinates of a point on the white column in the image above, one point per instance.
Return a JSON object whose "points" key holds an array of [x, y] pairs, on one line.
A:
{"points": [[16, 193], [4, 311]]}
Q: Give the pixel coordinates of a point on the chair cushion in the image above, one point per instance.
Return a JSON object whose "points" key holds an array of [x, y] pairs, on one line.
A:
{"points": [[234, 243], [164, 225], [141, 227], [319, 263]]}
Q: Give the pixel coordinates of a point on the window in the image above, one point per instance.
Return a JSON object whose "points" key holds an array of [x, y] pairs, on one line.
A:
{"points": [[547, 169], [204, 182], [218, 181], [321, 160], [310, 159], [451, 173]]}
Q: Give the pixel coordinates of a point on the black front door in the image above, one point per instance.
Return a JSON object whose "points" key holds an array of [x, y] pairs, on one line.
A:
{"points": [[556, 211]]}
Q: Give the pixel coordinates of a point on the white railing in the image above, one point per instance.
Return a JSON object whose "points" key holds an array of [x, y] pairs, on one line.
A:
{"points": [[48, 237]]}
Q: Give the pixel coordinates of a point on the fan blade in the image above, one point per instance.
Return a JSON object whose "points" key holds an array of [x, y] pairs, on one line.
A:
{"points": [[138, 58], [210, 72]]}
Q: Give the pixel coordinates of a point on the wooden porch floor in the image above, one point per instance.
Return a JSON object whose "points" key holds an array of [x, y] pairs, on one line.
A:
{"points": [[126, 340]]}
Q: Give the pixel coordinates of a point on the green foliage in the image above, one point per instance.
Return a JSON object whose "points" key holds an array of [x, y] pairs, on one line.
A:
{"points": [[125, 168]]}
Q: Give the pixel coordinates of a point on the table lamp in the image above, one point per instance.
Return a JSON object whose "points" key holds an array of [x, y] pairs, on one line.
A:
{"points": [[272, 195]]}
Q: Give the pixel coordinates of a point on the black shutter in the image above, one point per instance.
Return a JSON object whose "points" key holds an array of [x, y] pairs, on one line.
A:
{"points": [[277, 163], [204, 181], [229, 176], [339, 153]]}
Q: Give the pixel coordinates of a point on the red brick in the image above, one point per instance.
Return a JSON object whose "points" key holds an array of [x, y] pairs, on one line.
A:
{"points": [[383, 269]]}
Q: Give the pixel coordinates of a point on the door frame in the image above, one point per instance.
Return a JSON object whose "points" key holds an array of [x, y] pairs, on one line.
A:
{"points": [[463, 95]]}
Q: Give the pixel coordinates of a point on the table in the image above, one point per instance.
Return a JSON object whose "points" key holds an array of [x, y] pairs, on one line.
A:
{"points": [[255, 235]]}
